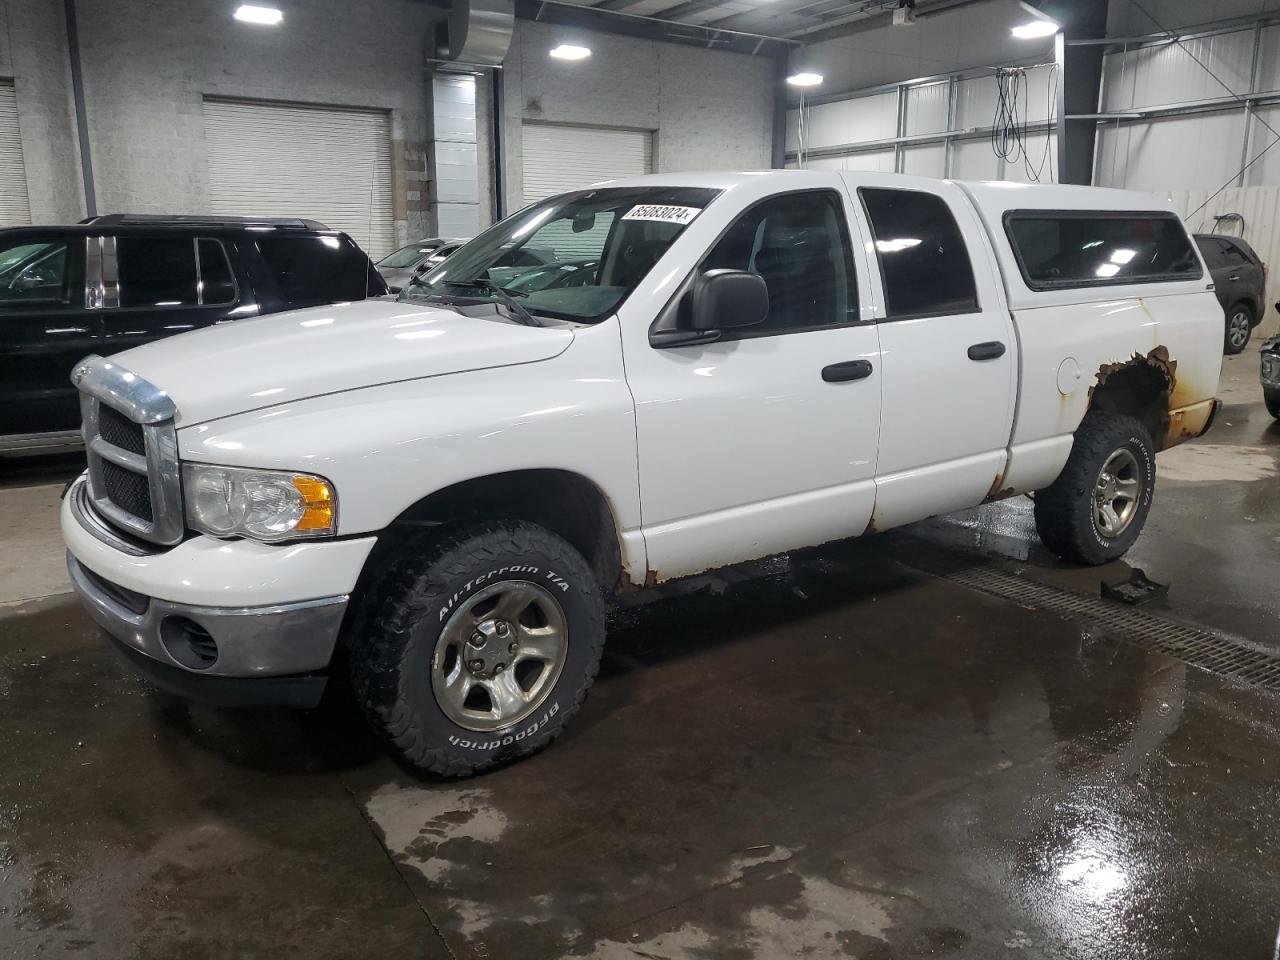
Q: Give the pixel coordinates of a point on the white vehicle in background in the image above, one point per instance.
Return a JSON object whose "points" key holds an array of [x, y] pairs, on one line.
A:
{"points": [[450, 485]]}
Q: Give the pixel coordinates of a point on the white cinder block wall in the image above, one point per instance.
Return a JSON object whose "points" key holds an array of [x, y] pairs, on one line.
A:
{"points": [[33, 52], [709, 110]]}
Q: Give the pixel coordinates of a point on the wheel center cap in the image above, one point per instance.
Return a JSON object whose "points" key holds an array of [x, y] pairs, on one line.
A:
{"points": [[486, 648]]}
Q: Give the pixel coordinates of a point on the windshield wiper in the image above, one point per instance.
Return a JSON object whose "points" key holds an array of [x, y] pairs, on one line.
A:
{"points": [[508, 297]]}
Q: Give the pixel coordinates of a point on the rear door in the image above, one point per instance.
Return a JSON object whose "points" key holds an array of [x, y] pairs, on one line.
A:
{"points": [[44, 330], [949, 353], [1243, 272], [158, 285]]}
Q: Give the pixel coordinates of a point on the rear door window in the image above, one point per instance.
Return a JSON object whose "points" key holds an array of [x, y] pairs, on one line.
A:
{"points": [[1071, 248], [923, 259], [310, 271], [156, 271], [217, 284]]}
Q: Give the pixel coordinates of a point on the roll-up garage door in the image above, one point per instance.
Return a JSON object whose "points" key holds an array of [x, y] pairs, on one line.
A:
{"points": [[323, 163], [560, 157], [14, 209]]}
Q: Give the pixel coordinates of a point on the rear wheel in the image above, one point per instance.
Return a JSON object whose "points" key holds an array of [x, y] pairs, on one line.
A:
{"points": [[1271, 397], [1096, 508], [1239, 327], [480, 650]]}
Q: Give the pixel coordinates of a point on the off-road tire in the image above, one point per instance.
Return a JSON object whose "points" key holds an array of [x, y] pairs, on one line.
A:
{"points": [[1271, 398], [390, 659], [1064, 511]]}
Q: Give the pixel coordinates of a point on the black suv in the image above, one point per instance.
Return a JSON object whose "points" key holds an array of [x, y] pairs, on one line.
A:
{"points": [[118, 281], [1239, 279]]}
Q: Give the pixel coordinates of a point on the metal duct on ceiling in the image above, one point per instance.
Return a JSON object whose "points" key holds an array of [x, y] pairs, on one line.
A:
{"points": [[475, 33]]}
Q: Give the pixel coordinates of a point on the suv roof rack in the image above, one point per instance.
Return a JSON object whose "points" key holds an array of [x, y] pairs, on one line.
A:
{"points": [[202, 220]]}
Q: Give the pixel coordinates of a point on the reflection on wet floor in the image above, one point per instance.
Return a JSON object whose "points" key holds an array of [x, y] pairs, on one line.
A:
{"points": [[828, 755]]}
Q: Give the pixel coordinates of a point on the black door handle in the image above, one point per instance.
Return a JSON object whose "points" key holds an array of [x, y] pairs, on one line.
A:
{"points": [[986, 351], [849, 370]]}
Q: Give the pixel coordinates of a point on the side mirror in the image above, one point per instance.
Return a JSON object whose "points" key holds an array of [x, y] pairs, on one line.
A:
{"points": [[723, 299], [718, 300]]}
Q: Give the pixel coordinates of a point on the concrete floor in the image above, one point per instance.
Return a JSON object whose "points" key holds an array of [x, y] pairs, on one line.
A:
{"points": [[833, 754]]}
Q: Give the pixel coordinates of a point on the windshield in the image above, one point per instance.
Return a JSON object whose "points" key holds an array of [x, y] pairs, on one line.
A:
{"points": [[572, 257], [409, 256]]}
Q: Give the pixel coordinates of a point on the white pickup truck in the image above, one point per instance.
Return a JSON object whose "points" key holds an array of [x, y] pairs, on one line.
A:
{"points": [[709, 369]]}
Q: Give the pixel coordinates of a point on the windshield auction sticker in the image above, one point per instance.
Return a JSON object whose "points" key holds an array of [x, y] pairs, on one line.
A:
{"points": [[662, 212]]}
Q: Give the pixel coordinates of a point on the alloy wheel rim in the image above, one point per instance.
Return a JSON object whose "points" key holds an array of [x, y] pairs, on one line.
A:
{"points": [[1239, 329], [1116, 493], [499, 655]]}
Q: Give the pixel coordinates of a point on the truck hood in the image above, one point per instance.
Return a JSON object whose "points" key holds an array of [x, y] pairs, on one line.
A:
{"points": [[249, 364]]}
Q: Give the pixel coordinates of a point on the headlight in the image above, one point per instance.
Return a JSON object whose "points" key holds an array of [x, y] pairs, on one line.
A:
{"points": [[261, 504]]}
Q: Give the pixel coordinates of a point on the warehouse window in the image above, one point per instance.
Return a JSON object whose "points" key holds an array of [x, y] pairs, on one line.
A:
{"points": [[799, 245], [923, 259], [156, 271], [1072, 248]]}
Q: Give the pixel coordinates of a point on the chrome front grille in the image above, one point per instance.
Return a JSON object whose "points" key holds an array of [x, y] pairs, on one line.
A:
{"points": [[132, 447]]}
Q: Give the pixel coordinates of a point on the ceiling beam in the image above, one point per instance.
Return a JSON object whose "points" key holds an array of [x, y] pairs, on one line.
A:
{"points": [[685, 9]]}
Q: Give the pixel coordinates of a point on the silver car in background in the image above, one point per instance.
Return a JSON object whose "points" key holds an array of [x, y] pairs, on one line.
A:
{"points": [[402, 266]]}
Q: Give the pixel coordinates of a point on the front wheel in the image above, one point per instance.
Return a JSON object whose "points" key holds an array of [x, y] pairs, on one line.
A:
{"points": [[1271, 397], [1096, 508], [1239, 328], [481, 650]]}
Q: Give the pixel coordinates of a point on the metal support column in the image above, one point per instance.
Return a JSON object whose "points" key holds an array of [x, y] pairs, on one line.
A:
{"points": [[1254, 77], [948, 148], [82, 121], [901, 130], [1060, 105]]}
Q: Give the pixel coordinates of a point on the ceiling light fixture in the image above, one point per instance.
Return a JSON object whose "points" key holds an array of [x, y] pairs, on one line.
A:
{"points": [[253, 13], [570, 51], [1034, 29], [804, 79]]}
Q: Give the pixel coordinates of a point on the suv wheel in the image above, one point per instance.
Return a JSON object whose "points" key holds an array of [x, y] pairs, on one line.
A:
{"points": [[1239, 328], [1096, 508], [480, 651]]}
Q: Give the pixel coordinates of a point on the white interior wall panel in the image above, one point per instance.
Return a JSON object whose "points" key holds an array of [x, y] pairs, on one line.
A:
{"points": [[1198, 150], [975, 102], [558, 157], [1266, 169], [14, 208], [328, 164], [846, 121], [1167, 73], [974, 160], [927, 160], [927, 108]]}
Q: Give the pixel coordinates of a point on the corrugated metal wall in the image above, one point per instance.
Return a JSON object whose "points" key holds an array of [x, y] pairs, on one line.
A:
{"points": [[850, 132]]}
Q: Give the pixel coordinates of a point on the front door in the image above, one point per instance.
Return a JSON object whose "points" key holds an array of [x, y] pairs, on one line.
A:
{"points": [[44, 330], [950, 354], [764, 440]]}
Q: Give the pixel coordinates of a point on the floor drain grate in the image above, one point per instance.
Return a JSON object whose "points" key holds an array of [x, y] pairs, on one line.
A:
{"points": [[1218, 654]]}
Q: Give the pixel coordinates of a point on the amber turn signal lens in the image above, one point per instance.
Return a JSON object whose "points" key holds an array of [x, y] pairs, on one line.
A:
{"points": [[317, 502]]}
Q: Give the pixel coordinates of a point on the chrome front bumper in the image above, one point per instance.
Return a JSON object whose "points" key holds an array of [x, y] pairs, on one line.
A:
{"points": [[272, 641]]}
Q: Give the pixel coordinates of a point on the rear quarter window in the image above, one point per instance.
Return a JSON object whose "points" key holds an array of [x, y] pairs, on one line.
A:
{"points": [[1065, 249], [310, 271]]}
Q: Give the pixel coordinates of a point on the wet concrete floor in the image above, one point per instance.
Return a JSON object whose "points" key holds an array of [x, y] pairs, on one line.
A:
{"points": [[833, 754]]}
